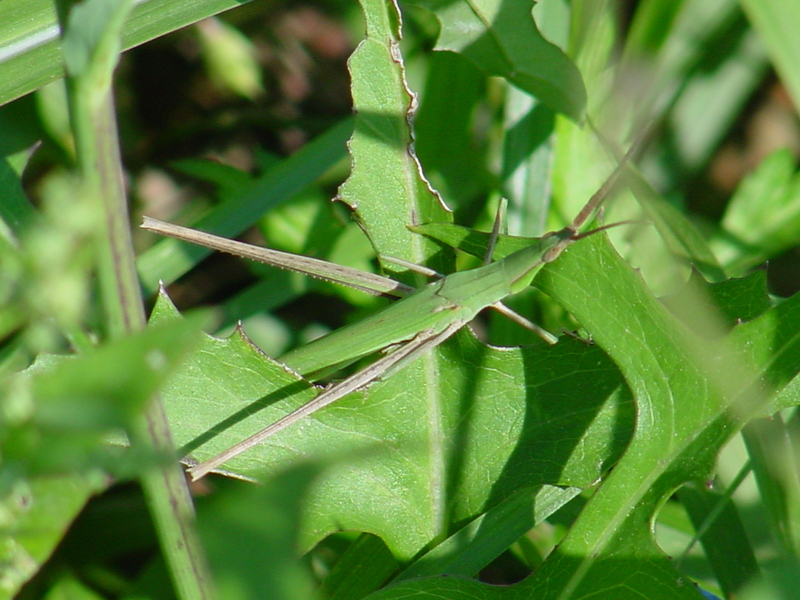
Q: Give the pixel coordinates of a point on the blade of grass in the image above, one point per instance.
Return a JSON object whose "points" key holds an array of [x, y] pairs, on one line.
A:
{"points": [[30, 56], [169, 259], [777, 23]]}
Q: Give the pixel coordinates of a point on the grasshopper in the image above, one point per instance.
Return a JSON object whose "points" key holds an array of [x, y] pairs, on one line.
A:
{"points": [[421, 320]]}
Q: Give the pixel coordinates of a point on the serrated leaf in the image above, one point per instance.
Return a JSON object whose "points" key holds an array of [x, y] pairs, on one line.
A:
{"points": [[691, 395], [735, 300], [450, 435], [386, 186], [501, 37], [401, 467]]}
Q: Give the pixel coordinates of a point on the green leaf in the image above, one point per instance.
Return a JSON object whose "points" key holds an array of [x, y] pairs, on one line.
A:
{"points": [[231, 58], [56, 417], [734, 300], [386, 186], [229, 180], [35, 515], [30, 55], [679, 234], [776, 23], [69, 587], [471, 241], [702, 395], [16, 211], [57, 413], [450, 435], [763, 217], [444, 126], [724, 541], [363, 568], [397, 465], [91, 42], [771, 448], [501, 37], [264, 521], [475, 545], [684, 55]]}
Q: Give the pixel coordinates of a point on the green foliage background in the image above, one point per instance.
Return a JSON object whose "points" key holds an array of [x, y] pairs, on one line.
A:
{"points": [[654, 448]]}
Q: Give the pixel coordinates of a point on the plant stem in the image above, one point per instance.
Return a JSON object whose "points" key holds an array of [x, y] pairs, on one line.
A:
{"points": [[94, 126], [164, 483]]}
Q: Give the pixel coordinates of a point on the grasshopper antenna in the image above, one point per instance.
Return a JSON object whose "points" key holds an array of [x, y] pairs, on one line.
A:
{"points": [[591, 206], [622, 163]]}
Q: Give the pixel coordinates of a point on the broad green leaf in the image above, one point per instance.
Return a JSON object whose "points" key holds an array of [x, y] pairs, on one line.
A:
{"points": [[465, 553], [446, 453], [685, 414], [30, 56], [501, 37], [397, 465]]}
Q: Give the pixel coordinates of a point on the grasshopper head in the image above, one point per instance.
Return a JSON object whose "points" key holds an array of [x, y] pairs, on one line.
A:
{"points": [[557, 242]]}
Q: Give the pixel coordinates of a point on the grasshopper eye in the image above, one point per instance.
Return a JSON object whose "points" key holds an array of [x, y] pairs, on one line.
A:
{"points": [[553, 253]]}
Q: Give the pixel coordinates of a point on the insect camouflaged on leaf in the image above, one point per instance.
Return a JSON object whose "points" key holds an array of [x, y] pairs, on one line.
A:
{"points": [[416, 323]]}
